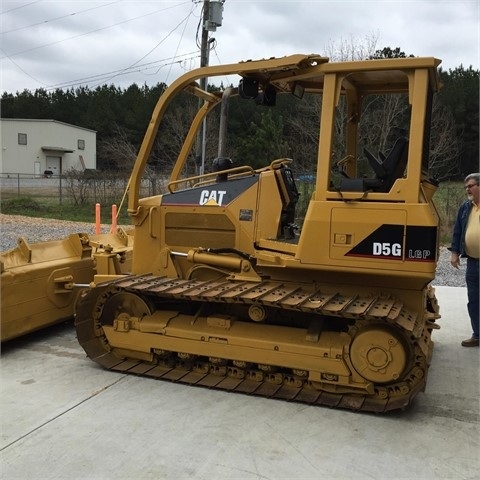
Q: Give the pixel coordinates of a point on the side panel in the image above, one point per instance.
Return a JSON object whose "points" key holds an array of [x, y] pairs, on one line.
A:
{"points": [[390, 241], [393, 239], [367, 233], [218, 215]]}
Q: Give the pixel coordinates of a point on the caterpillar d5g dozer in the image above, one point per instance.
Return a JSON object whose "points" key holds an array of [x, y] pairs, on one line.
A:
{"points": [[226, 293]]}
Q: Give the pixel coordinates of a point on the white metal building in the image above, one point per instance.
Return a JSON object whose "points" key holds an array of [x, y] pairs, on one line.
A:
{"points": [[45, 147]]}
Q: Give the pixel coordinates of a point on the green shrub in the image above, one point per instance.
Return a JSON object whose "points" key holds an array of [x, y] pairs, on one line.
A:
{"points": [[21, 206], [447, 200]]}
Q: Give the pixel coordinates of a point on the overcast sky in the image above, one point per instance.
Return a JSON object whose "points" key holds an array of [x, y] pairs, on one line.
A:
{"points": [[66, 43]]}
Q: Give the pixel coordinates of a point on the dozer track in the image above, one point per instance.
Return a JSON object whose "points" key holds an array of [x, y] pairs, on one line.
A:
{"points": [[100, 316]]}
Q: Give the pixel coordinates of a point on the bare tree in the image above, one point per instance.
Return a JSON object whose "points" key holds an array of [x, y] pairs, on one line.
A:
{"points": [[351, 49], [118, 151], [77, 186], [444, 144]]}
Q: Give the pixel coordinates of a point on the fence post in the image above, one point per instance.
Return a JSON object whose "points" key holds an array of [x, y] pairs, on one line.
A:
{"points": [[114, 218], [97, 218]]}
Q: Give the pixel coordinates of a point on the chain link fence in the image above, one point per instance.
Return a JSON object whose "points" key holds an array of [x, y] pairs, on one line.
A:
{"points": [[83, 189], [74, 189]]}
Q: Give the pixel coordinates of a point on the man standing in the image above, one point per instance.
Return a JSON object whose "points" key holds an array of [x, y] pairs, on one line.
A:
{"points": [[466, 243]]}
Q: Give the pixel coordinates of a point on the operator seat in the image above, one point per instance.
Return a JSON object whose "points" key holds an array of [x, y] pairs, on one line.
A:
{"points": [[392, 167]]}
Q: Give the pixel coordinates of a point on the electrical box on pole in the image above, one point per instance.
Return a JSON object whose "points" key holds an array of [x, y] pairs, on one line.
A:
{"points": [[215, 15]]}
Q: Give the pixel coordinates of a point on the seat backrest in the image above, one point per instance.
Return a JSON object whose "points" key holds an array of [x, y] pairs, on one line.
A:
{"points": [[387, 169], [395, 163]]}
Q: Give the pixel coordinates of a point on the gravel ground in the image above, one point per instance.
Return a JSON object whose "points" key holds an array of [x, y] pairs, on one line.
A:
{"points": [[41, 229]]}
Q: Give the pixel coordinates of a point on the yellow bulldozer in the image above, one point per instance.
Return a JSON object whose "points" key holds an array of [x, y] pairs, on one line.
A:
{"points": [[228, 291]]}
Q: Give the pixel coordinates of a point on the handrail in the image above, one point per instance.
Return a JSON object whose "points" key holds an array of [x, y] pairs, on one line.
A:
{"points": [[231, 171]]}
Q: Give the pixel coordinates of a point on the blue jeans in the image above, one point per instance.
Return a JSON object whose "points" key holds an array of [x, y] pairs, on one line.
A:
{"points": [[471, 277]]}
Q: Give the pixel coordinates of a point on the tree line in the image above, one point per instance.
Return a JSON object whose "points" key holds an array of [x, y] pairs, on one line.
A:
{"points": [[121, 115]]}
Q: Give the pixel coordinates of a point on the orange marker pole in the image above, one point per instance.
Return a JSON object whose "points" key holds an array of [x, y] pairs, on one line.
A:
{"points": [[97, 218], [114, 218]]}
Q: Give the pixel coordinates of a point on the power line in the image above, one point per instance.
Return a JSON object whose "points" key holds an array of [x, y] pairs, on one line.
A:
{"points": [[43, 22], [181, 38], [92, 31], [106, 77], [20, 68], [21, 6], [185, 20]]}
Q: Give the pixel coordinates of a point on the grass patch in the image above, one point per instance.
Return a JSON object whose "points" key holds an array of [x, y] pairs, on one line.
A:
{"points": [[32, 207], [16, 206]]}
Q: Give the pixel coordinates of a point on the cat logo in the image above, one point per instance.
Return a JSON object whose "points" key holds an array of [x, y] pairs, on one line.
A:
{"points": [[212, 197]]}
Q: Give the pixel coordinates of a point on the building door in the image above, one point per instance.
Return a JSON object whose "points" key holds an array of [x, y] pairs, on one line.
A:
{"points": [[37, 169], [53, 165]]}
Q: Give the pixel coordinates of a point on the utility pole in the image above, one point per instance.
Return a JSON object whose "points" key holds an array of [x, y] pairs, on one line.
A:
{"points": [[212, 18], [204, 59], [204, 51]]}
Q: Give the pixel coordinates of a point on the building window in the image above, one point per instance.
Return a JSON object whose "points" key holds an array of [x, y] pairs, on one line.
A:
{"points": [[22, 138], [81, 144]]}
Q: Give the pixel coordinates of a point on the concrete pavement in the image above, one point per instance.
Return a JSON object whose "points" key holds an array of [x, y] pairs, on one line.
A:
{"points": [[63, 417]]}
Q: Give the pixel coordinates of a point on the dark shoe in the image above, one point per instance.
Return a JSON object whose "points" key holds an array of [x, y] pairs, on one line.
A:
{"points": [[471, 342]]}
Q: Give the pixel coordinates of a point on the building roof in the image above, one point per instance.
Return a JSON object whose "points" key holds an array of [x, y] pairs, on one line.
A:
{"points": [[46, 120]]}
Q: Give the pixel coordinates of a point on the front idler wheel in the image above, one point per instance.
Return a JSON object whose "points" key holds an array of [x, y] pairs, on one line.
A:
{"points": [[380, 354]]}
